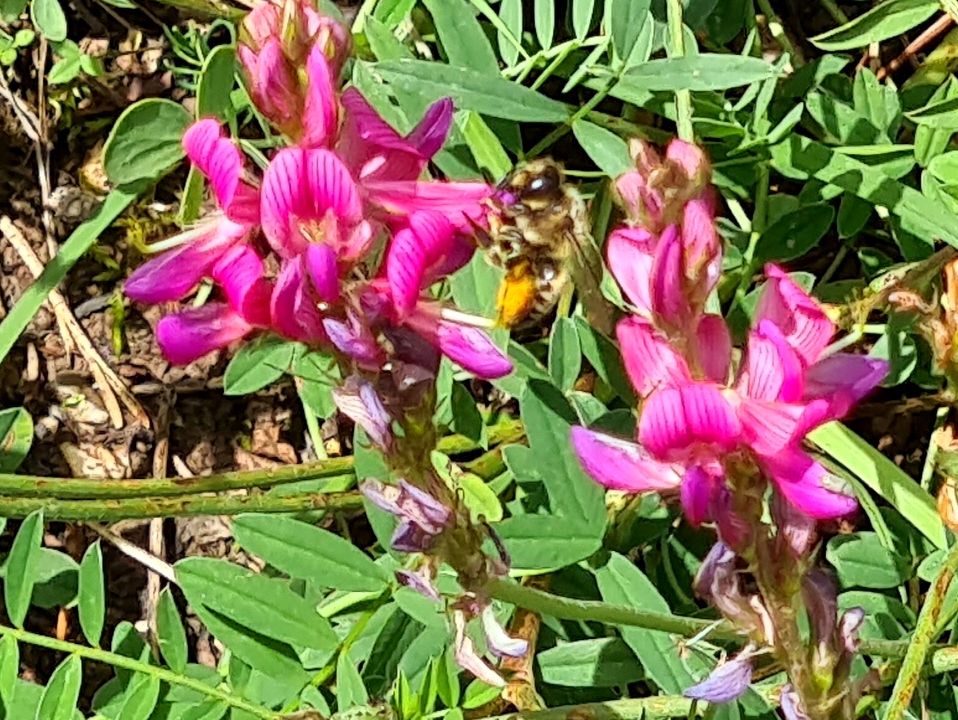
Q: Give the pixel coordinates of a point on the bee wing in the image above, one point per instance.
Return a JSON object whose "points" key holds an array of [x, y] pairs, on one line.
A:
{"points": [[586, 268]]}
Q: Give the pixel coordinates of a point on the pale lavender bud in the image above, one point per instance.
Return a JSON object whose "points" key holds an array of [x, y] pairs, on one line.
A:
{"points": [[410, 537], [795, 528], [720, 560], [422, 508], [357, 399], [848, 628], [499, 641], [421, 516], [726, 682], [418, 582], [352, 339], [385, 497], [791, 704], [468, 659]]}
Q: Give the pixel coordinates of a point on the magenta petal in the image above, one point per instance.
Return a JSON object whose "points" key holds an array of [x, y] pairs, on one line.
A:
{"points": [[668, 273], [801, 320], [293, 313], [675, 418], [430, 134], [620, 464], [726, 682], [773, 370], [714, 348], [240, 273], [185, 336], [173, 274], [703, 247], [844, 379], [321, 265], [696, 494], [649, 359], [472, 350], [274, 86], [458, 201], [809, 486], [688, 156], [221, 161], [771, 427], [629, 252], [321, 109], [370, 146], [413, 251]]}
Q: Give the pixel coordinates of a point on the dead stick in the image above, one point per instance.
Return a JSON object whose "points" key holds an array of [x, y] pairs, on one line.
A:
{"points": [[931, 33]]}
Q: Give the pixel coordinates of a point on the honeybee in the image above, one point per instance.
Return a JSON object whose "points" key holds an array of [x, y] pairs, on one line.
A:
{"points": [[539, 233]]}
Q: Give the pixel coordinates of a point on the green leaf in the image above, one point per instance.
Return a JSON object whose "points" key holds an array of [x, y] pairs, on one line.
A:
{"points": [[546, 542], [49, 19], [16, 437], [795, 234], [461, 35], [170, 633], [490, 95], [92, 594], [258, 364], [485, 146], [146, 141], [605, 358], [883, 476], [708, 71], [350, 690], [545, 22], [255, 601], [890, 18], [21, 567], [216, 83], [602, 662], [9, 668], [799, 158], [140, 698], [607, 150], [861, 560], [622, 583], [582, 11], [510, 13], [305, 551], [474, 286], [627, 18], [11, 8], [62, 692], [574, 495], [565, 356]]}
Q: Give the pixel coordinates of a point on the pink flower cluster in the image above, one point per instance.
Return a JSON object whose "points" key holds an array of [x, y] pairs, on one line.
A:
{"points": [[698, 418], [295, 250]]}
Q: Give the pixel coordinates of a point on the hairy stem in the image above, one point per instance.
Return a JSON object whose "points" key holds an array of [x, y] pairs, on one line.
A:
{"points": [[683, 97]]}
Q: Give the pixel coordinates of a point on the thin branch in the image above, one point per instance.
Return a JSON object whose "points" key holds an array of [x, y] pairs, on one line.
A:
{"points": [[146, 559]]}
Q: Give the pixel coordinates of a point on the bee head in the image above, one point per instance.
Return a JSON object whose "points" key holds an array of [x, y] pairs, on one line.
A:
{"points": [[535, 185]]}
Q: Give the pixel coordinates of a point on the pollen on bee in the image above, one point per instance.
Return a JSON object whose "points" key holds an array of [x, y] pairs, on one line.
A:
{"points": [[517, 294]]}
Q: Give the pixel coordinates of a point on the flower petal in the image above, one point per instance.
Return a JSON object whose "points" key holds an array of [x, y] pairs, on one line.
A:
{"points": [[713, 349], [801, 320], [413, 251], [321, 266], [629, 253], [190, 334], [770, 427], [221, 161], [773, 370], [620, 464], [355, 341], [649, 359], [458, 201], [844, 379], [293, 314], [418, 582], [430, 134], [726, 682], [668, 272], [302, 189], [674, 418], [703, 247], [321, 109], [498, 640], [357, 399], [848, 628], [791, 704], [171, 275], [240, 273], [697, 491], [472, 350], [809, 486], [468, 659]]}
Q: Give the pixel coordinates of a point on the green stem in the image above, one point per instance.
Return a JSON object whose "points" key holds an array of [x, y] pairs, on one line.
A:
{"points": [[683, 97], [112, 510], [564, 128], [126, 663], [836, 12], [777, 29], [30, 486], [918, 648]]}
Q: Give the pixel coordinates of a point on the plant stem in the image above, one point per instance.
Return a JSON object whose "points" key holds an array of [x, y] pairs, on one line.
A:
{"points": [[777, 29], [126, 663], [925, 629], [661, 706], [112, 510], [683, 97], [29, 486]]}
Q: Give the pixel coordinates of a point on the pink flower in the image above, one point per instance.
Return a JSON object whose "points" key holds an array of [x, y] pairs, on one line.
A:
{"points": [[279, 41], [215, 248], [429, 248], [691, 423]]}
